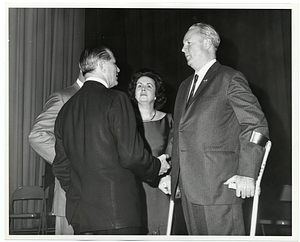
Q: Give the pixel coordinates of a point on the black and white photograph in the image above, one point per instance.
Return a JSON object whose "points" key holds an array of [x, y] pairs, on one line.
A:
{"points": [[151, 121]]}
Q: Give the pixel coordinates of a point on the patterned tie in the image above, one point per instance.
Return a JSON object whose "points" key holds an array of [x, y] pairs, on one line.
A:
{"points": [[192, 91]]}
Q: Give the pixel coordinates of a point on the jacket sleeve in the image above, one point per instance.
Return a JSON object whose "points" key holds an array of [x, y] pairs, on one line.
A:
{"points": [[130, 146], [251, 118], [61, 165], [170, 139], [41, 137]]}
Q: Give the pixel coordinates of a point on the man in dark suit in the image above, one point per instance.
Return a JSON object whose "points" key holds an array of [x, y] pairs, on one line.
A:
{"points": [[214, 118], [99, 152], [42, 140]]}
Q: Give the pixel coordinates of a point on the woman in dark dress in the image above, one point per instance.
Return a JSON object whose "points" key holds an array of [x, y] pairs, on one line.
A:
{"points": [[146, 90]]}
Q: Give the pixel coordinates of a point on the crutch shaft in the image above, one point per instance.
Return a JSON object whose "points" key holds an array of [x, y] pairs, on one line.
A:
{"points": [[170, 217]]}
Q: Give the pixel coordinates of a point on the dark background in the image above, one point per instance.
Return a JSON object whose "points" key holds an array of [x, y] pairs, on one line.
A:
{"points": [[256, 42]]}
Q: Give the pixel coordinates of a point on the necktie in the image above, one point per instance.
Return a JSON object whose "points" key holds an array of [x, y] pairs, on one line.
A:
{"points": [[192, 91]]}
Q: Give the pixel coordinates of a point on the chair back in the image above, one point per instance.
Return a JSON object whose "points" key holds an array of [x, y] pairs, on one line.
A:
{"points": [[286, 193], [28, 193]]}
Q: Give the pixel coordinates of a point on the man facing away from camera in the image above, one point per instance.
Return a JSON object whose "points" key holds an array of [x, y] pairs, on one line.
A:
{"points": [[99, 152]]}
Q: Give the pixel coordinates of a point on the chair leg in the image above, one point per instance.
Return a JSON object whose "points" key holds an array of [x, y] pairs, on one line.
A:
{"points": [[45, 227], [11, 223], [40, 225], [263, 230]]}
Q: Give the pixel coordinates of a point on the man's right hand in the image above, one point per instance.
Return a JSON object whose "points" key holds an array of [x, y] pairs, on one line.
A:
{"points": [[165, 166]]}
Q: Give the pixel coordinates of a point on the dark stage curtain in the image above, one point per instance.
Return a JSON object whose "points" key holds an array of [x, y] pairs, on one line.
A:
{"points": [[256, 42]]}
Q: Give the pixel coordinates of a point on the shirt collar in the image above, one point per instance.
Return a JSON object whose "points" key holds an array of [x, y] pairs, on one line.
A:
{"points": [[97, 80], [201, 73], [80, 84]]}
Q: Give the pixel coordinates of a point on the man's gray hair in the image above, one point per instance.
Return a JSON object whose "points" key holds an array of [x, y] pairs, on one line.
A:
{"points": [[89, 58], [207, 31]]}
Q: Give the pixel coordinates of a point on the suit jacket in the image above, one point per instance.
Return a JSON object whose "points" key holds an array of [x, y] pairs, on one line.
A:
{"points": [[211, 137], [99, 153], [42, 140]]}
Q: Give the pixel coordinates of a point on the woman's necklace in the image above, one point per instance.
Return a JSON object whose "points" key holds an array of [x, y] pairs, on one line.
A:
{"points": [[153, 115]]}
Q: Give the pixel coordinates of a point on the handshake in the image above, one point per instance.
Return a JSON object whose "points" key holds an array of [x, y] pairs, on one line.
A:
{"points": [[165, 166], [165, 182], [165, 186]]}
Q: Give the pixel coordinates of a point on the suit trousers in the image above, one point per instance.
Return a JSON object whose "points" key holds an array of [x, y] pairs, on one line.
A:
{"points": [[121, 231], [212, 219]]}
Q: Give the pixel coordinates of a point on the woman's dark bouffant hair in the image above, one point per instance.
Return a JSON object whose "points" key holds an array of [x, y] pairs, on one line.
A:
{"points": [[159, 85]]}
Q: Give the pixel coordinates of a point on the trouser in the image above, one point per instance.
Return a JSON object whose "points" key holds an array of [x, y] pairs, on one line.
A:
{"points": [[212, 219]]}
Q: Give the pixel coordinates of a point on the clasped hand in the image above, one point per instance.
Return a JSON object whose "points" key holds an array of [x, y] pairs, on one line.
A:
{"points": [[165, 166], [245, 186], [165, 186]]}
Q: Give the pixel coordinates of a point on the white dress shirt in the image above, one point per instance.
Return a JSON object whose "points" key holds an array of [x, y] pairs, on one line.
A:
{"points": [[201, 74], [80, 84]]}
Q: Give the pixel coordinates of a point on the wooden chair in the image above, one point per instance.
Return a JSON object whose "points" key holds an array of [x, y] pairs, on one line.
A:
{"points": [[281, 224], [28, 202]]}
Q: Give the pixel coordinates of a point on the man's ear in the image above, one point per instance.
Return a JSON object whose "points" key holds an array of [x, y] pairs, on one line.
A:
{"points": [[207, 43], [102, 65]]}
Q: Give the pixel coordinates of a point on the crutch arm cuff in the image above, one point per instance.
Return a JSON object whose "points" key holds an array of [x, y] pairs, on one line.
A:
{"points": [[259, 139]]}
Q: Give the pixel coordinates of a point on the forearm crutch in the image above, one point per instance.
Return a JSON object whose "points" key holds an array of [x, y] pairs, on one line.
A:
{"points": [[259, 139], [170, 216], [257, 189]]}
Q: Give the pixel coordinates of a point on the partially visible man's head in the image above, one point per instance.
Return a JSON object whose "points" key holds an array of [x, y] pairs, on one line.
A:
{"points": [[89, 58], [100, 63]]}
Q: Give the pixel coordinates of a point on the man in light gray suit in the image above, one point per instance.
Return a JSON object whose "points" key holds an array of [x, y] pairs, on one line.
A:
{"points": [[215, 115], [42, 140]]}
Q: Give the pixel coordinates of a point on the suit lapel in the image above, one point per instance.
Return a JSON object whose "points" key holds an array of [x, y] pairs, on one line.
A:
{"points": [[185, 93]]}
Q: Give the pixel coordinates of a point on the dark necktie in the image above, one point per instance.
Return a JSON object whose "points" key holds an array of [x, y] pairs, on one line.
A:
{"points": [[192, 91]]}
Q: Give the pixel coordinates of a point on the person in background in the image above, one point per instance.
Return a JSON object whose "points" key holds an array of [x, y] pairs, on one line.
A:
{"points": [[41, 139], [100, 154], [215, 115], [147, 92]]}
